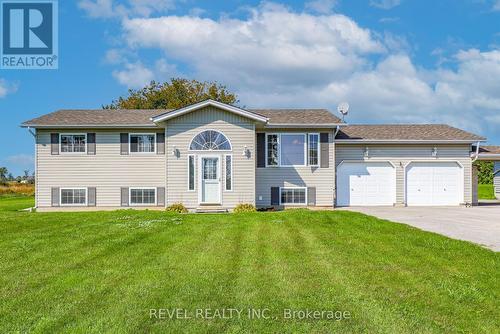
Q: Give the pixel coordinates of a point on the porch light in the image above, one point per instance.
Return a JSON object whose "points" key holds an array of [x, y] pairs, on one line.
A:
{"points": [[246, 151], [367, 152], [175, 152], [434, 151]]}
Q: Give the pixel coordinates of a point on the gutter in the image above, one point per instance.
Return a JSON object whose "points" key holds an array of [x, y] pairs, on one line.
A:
{"points": [[303, 126], [100, 126], [396, 141]]}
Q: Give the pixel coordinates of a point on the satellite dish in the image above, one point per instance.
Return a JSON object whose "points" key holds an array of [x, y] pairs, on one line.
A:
{"points": [[343, 108]]}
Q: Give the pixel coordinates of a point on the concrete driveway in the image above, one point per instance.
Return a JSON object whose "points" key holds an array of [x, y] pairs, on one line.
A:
{"points": [[480, 224]]}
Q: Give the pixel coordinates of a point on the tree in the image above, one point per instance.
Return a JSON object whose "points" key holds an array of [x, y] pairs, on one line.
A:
{"points": [[484, 172], [175, 94], [3, 175]]}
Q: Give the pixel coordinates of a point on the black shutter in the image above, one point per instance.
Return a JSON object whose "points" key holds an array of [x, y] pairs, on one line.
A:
{"points": [[261, 150], [160, 143], [54, 196], [91, 143], [123, 143], [124, 196], [311, 196], [325, 150], [91, 196], [54, 143], [275, 196], [160, 196]]}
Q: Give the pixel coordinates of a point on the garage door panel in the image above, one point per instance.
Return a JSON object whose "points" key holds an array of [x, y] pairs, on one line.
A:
{"points": [[434, 184], [366, 183]]}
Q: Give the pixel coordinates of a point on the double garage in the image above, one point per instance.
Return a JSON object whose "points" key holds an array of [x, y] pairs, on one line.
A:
{"points": [[375, 183]]}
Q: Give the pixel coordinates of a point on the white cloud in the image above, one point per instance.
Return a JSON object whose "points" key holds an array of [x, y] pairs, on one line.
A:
{"points": [[321, 6], [385, 4], [274, 46], [134, 75], [115, 8], [21, 160], [6, 88], [280, 58], [496, 6]]}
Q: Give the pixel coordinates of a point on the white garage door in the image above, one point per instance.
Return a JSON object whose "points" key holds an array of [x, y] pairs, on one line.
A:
{"points": [[366, 183], [434, 184]]}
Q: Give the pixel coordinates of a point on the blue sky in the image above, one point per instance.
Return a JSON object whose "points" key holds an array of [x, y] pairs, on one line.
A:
{"points": [[394, 61]]}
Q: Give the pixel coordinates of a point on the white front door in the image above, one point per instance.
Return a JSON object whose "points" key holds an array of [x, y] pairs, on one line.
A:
{"points": [[366, 183], [210, 180], [434, 184]]}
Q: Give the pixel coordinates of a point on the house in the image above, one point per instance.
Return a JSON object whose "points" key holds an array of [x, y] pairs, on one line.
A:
{"points": [[214, 155]]}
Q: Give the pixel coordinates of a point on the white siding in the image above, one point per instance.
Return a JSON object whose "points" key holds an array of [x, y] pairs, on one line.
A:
{"points": [[240, 132], [108, 171], [401, 155], [323, 179]]}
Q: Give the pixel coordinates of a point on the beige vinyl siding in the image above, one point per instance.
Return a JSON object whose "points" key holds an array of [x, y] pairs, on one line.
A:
{"points": [[401, 155], [108, 170], [240, 132], [496, 179], [323, 179]]}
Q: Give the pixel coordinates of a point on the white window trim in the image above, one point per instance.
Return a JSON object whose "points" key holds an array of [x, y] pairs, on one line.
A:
{"points": [[73, 188], [194, 172], [225, 173], [294, 204], [141, 134], [72, 134], [279, 134], [142, 188], [210, 151], [318, 147]]}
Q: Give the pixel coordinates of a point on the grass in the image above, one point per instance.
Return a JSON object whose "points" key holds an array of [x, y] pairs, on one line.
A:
{"points": [[486, 191], [104, 271]]}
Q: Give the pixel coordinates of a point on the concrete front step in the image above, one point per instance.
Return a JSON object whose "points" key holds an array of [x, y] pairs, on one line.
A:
{"points": [[211, 209]]}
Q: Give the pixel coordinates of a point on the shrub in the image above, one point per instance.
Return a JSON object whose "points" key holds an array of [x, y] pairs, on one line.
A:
{"points": [[242, 207], [177, 207]]}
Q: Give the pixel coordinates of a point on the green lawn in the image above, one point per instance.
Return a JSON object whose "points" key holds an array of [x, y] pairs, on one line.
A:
{"points": [[486, 191], [103, 272]]}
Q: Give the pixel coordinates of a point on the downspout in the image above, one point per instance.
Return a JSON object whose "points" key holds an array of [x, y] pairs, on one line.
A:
{"points": [[36, 167], [477, 152]]}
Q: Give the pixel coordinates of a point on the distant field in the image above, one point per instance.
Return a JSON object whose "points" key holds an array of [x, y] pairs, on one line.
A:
{"points": [[14, 188]]}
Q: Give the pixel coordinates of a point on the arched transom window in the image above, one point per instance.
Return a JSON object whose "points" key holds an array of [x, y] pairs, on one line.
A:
{"points": [[210, 140]]}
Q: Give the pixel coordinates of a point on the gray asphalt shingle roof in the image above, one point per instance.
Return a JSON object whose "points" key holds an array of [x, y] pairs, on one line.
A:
{"points": [[313, 117], [405, 132], [142, 117]]}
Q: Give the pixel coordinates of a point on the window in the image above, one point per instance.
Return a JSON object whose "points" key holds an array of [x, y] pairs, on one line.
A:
{"points": [[74, 196], [272, 150], [295, 196], [142, 143], [191, 172], [73, 143], [210, 140], [313, 149], [229, 172], [292, 150], [143, 196]]}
